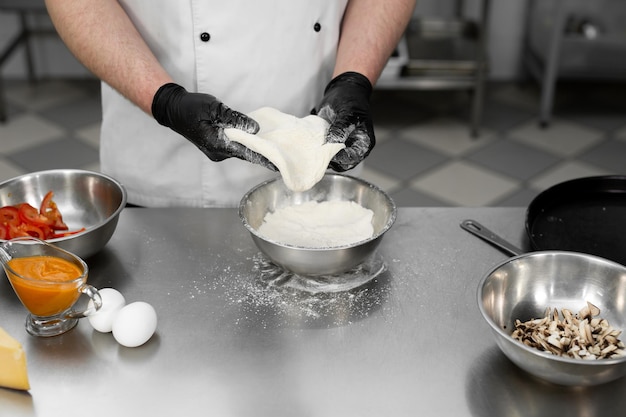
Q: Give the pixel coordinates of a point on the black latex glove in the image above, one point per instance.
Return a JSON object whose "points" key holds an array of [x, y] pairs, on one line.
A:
{"points": [[201, 118], [346, 107]]}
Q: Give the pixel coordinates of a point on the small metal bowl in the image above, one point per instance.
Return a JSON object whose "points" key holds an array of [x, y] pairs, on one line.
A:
{"points": [[273, 194], [524, 286], [84, 198]]}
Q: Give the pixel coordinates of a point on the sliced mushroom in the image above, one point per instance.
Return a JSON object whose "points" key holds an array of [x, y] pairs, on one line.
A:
{"points": [[583, 335]]}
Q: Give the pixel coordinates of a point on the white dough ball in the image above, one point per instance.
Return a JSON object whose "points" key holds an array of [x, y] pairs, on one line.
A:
{"points": [[112, 303], [135, 324]]}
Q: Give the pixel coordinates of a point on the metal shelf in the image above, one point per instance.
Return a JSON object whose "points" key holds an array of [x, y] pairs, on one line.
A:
{"points": [[23, 8], [554, 51], [440, 54]]}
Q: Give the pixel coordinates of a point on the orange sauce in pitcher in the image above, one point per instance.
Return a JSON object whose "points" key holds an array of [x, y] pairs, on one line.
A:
{"points": [[50, 286]]}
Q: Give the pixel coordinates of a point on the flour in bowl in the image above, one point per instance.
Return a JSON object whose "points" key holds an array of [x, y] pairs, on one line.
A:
{"points": [[319, 225]]}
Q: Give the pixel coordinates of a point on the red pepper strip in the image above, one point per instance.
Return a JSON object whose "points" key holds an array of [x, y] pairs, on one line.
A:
{"points": [[64, 234], [31, 215], [9, 215], [25, 220], [50, 210], [26, 229]]}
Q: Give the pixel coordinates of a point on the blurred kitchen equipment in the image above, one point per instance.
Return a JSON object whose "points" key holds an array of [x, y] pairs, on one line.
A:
{"points": [[574, 40], [24, 9], [443, 53]]}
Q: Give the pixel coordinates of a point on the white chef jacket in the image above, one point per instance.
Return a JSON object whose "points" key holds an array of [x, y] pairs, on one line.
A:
{"points": [[247, 53]]}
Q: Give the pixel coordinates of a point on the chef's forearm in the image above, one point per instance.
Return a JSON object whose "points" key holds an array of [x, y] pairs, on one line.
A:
{"points": [[370, 32], [103, 38]]}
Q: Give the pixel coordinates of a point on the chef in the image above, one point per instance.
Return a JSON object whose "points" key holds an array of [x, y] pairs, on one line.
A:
{"points": [[175, 73]]}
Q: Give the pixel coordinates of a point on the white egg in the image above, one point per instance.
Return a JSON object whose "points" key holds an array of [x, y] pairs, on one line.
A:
{"points": [[135, 324], [112, 303]]}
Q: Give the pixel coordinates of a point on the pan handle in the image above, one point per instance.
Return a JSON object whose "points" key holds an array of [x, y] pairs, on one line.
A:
{"points": [[487, 235]]}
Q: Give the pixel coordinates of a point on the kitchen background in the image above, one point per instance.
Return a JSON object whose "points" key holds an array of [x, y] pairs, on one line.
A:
{"points": [[426, 154]]}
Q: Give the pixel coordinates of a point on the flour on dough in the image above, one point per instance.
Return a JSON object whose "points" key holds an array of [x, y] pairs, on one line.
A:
{"points": [[318, 225], [294, 145]]}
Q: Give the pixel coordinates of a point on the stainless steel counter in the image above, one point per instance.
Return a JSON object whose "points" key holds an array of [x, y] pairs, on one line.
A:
{"points": [[411, 342]]}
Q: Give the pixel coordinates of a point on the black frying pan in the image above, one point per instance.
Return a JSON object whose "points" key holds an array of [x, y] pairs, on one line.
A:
{"points": [[583, 215]]}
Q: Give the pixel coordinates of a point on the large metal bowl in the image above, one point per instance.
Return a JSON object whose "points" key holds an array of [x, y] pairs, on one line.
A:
{"points": [[524, 286], [84, 198], [273, 194]]}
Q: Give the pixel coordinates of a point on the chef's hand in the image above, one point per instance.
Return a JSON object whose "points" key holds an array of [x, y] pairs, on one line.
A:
{"points": [[201, 118], [346, 107]]}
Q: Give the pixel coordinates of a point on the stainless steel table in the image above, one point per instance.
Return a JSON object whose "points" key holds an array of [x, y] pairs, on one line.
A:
{"points": [[411, 342]]}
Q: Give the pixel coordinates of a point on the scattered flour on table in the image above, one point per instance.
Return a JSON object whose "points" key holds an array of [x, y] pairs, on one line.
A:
{"points": [[243, 294], [264, 305], [294, 145], [315, 224]]}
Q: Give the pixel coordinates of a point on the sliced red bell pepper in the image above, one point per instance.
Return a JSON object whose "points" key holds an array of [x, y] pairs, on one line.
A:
{"points": [[26, 229], [31, 215], [50, 210], [9, 215], [4, 232], [25, 220]]}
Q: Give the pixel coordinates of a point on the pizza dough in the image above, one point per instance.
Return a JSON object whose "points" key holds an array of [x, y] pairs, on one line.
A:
{"points": [[319, 225], [294, 145]]}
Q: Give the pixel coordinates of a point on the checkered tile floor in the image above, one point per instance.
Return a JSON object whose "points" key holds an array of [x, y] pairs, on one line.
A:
{"points": [[424, 155]]}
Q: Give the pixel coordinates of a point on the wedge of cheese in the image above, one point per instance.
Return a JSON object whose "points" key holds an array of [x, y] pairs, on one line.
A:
{"points": [[13, 372]]}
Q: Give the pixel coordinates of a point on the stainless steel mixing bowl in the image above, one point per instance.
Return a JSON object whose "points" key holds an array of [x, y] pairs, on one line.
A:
{"points": [[84, 198], [524, 286], [272, 195]]}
